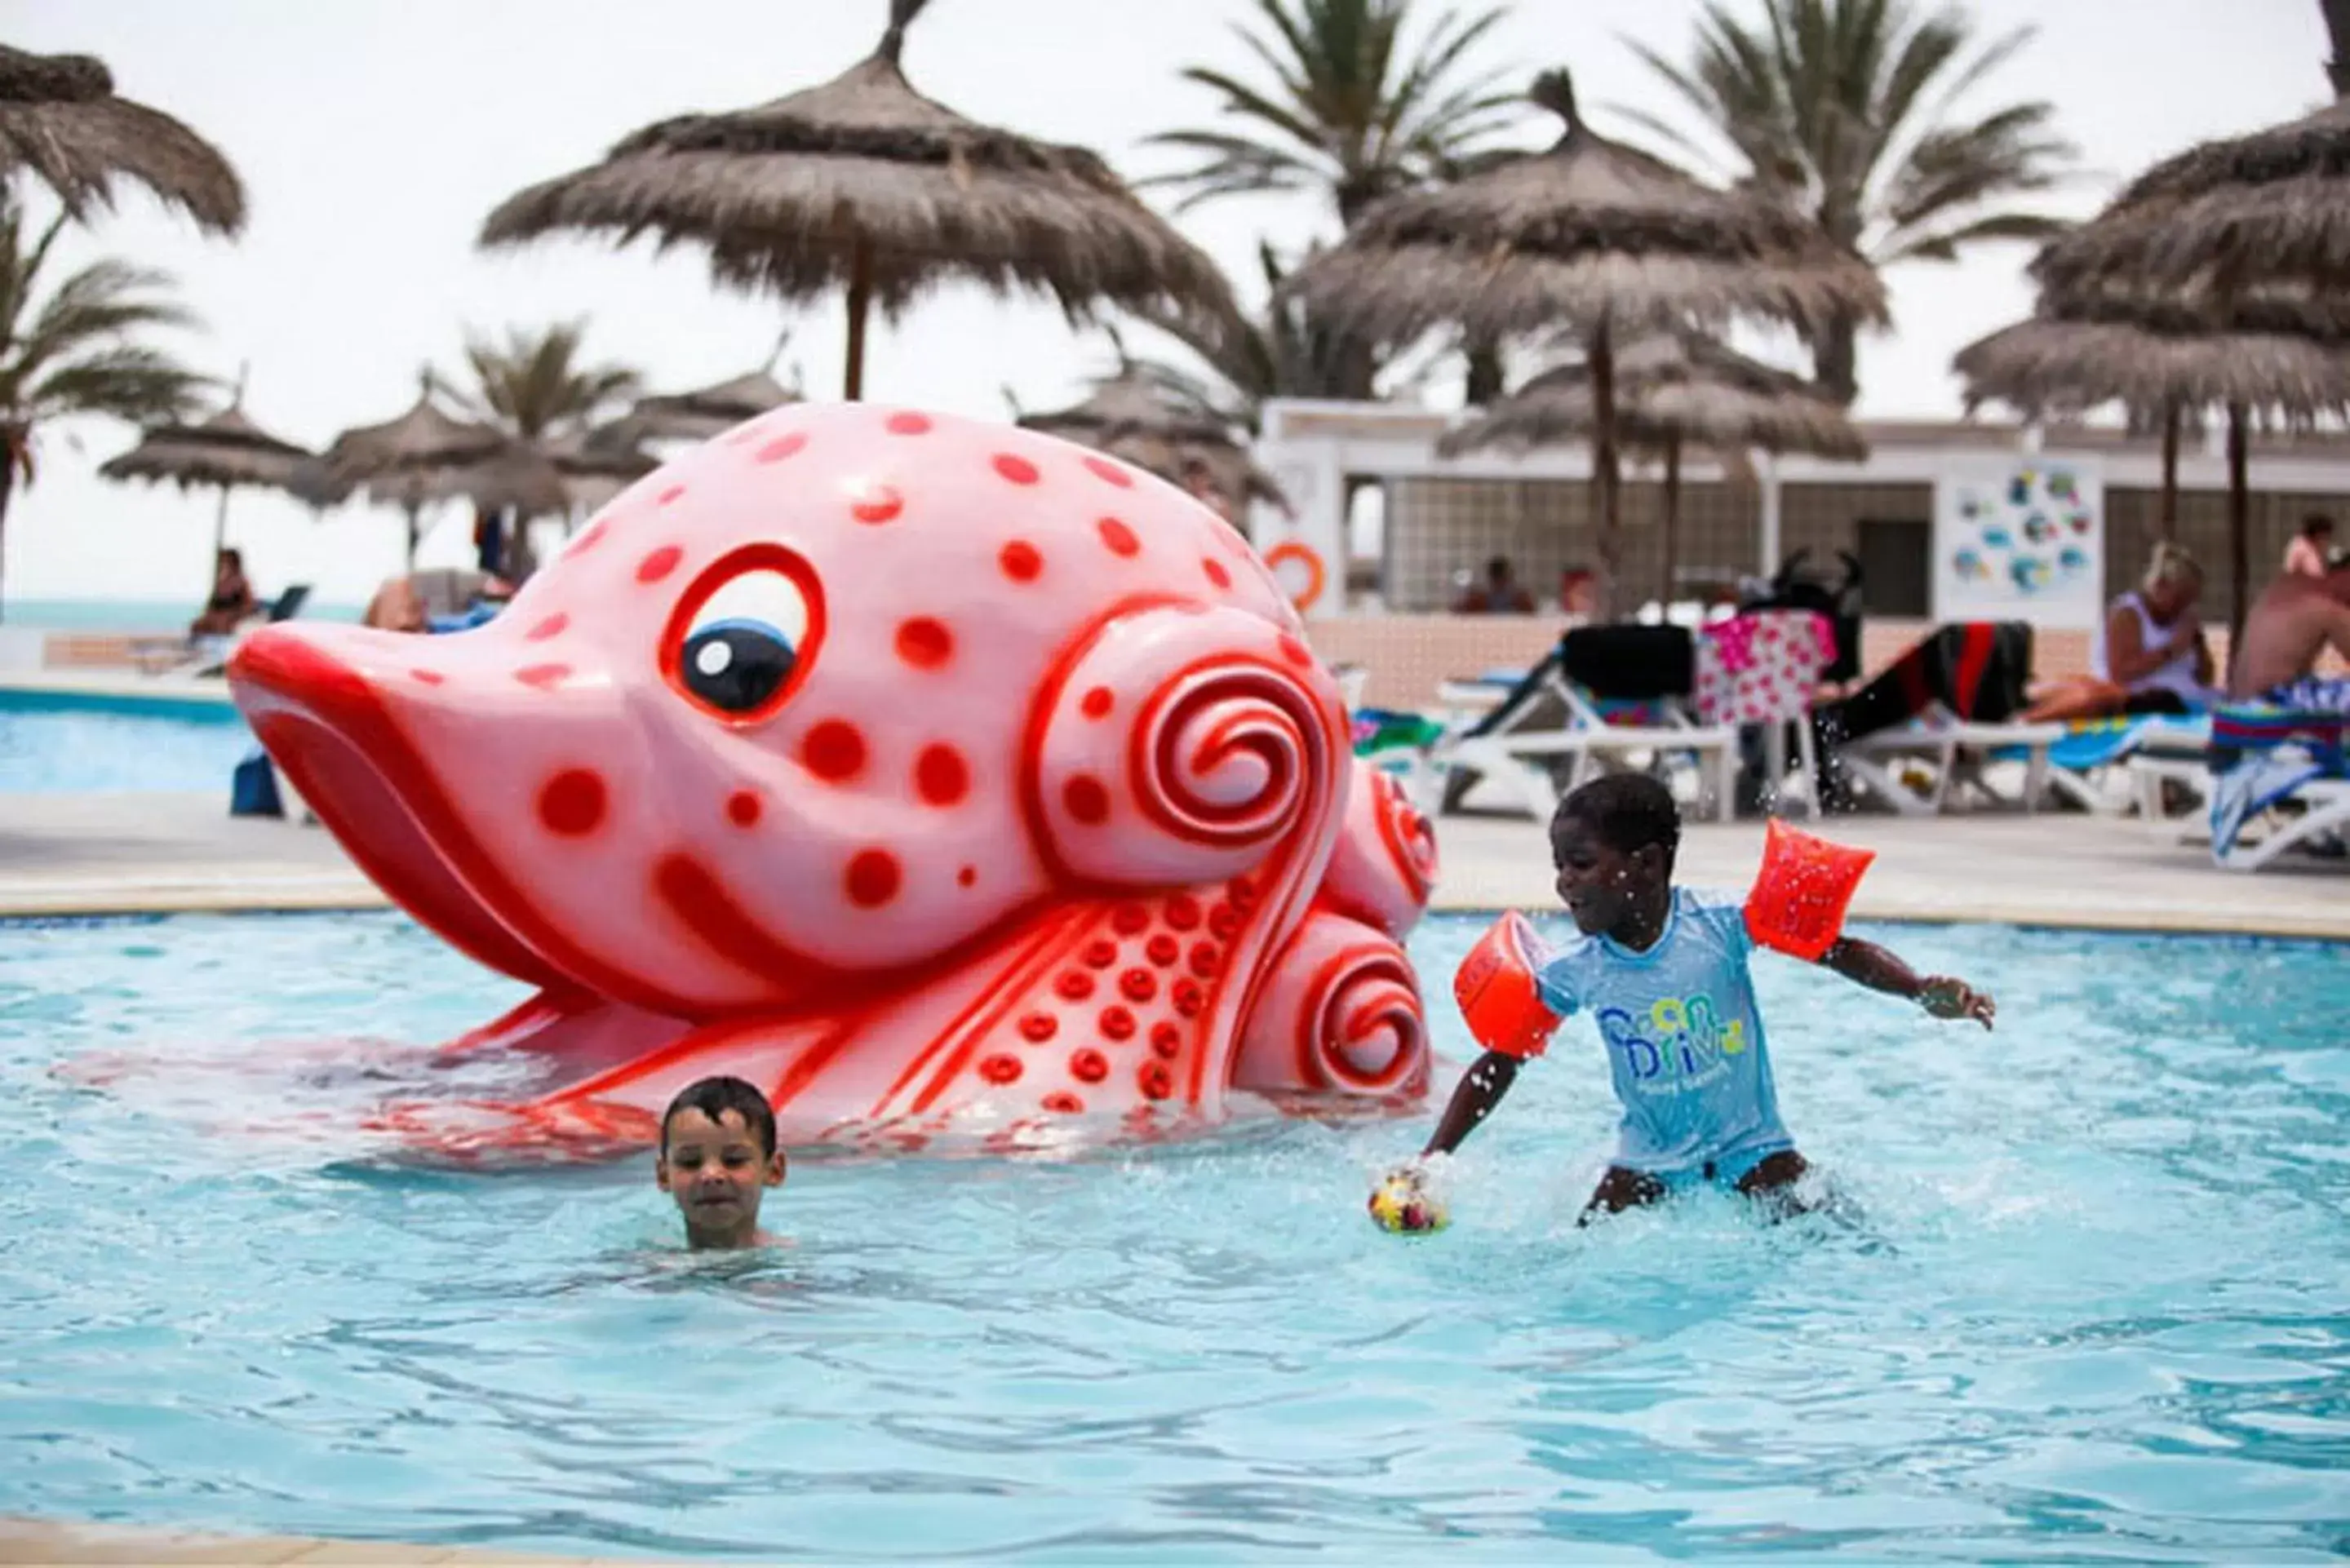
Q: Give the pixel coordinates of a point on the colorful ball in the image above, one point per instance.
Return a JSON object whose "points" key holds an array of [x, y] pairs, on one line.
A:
{"points": [[1402, 1204]]}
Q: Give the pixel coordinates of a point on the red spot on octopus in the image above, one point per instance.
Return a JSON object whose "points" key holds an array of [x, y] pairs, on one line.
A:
{"points": [[1117, 537], [1155, 1081], [967, 876], [877, 503], [742, 808], [925, 643], [1138, 984], [1295, 651], [1216, 573], [1223, 920], [782, 447], [659, 564], [544, 677], [551, 626], [1129, 918], [1099, 954], [1183, 911], [1166, 1039], [910, 424], [1018, 470], [1109, 472], [1086, 799], [1075, 985], [669, 496], [832, 751], [572, 803], [872, 879], [1189, 998], [1097, 703], [589, 537], [1020, 561], [1162, 950], [1206, 959], [940, 775], [1088, 1065], [1039, 1027], [1000, 1069], [1062, 1103], [1116, 1023], [429, 677]]}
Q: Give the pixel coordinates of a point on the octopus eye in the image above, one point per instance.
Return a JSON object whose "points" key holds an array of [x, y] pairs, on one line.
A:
{"points": [[737, 666], [742, 634]]}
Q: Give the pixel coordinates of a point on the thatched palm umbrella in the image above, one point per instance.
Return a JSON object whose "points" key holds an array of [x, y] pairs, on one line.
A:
{"points": [[863, 184], [2166, 370], [706, 411], [1678, 390], [2224, 219], [1592, 233], [61, 118], [596, 464], [407, 461], [1131, 417], [227, 452]]}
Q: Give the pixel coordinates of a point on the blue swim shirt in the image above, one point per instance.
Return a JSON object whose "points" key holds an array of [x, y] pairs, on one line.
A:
{"points": [[1684, 1038]]}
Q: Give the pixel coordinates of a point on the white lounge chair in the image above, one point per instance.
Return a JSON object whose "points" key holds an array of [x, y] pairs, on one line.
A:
{"points": [[1927, 766], [2279, 782]]}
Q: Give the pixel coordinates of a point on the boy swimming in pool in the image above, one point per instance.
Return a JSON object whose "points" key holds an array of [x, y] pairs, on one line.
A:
{"points": [[1663, 972], [718, 1156]]}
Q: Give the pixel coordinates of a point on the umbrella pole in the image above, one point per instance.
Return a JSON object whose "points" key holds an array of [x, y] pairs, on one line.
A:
{"points": [[1666, 539], [2168, 516], [861, 300], [1603, 467], [412, 509], [220, 525], [2240, 566]]}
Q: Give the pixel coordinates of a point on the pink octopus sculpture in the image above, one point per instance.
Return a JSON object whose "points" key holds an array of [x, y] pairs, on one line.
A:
{"points": [[960, 786]]}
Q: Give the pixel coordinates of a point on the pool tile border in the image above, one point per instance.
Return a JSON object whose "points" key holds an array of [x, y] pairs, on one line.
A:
{"points": [[25, 1539]]}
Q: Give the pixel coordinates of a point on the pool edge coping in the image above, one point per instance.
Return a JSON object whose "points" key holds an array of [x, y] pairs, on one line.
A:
{"points": [[72, 903]]}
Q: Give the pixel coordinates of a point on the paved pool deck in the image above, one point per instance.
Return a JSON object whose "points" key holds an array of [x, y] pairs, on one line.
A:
{"points": [[129, 854]]}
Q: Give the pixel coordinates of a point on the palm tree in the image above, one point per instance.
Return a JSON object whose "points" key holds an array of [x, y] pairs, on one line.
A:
{"points": [[1353, 113], [534, 385], [77, 350], [1845, 109], [1281, 352]]}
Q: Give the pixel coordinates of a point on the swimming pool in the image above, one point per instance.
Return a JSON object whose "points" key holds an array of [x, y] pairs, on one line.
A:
{"points": [[2102, 1307], [72, 743]]}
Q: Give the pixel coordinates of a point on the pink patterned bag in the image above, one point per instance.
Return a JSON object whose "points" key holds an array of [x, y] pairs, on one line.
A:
{"points": [[1762, 666]]}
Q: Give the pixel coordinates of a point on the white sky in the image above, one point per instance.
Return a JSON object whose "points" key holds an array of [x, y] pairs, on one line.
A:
{"points": [[374, 135]]}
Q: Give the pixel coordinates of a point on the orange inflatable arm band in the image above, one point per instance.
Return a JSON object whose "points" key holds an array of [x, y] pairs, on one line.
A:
{"points": [[1801, 892], [1495, 988]]}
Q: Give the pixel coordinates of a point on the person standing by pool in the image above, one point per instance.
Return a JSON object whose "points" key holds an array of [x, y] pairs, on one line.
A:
{"points": [[718, 1156], [1663, 972]]}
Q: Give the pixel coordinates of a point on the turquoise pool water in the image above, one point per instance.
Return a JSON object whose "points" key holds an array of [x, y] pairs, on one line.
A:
{"points": [[2101, 1308], [73, 745]]}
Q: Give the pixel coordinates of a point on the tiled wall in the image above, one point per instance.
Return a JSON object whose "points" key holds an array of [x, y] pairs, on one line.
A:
{"points": [[1438, 526]]}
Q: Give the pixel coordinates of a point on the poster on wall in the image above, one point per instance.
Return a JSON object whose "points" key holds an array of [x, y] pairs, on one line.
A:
{"points": [[2020, 538]]}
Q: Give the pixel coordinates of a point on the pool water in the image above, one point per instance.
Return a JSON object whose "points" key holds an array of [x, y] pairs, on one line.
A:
{"points": [[72, 750], [2099, 1306]]}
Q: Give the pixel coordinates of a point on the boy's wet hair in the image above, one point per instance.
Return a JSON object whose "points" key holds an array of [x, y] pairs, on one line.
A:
{"points": [[714, 1097], [1625, 812]]}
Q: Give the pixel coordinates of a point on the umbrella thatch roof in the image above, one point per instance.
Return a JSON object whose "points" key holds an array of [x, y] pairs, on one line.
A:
{"points": [[863, 183], [706, 411], [1675, 388], [399, 460], [2048, 365], [2222, 216], [1590, 232], [226, 452], [59, 118], [1131, 418]]}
